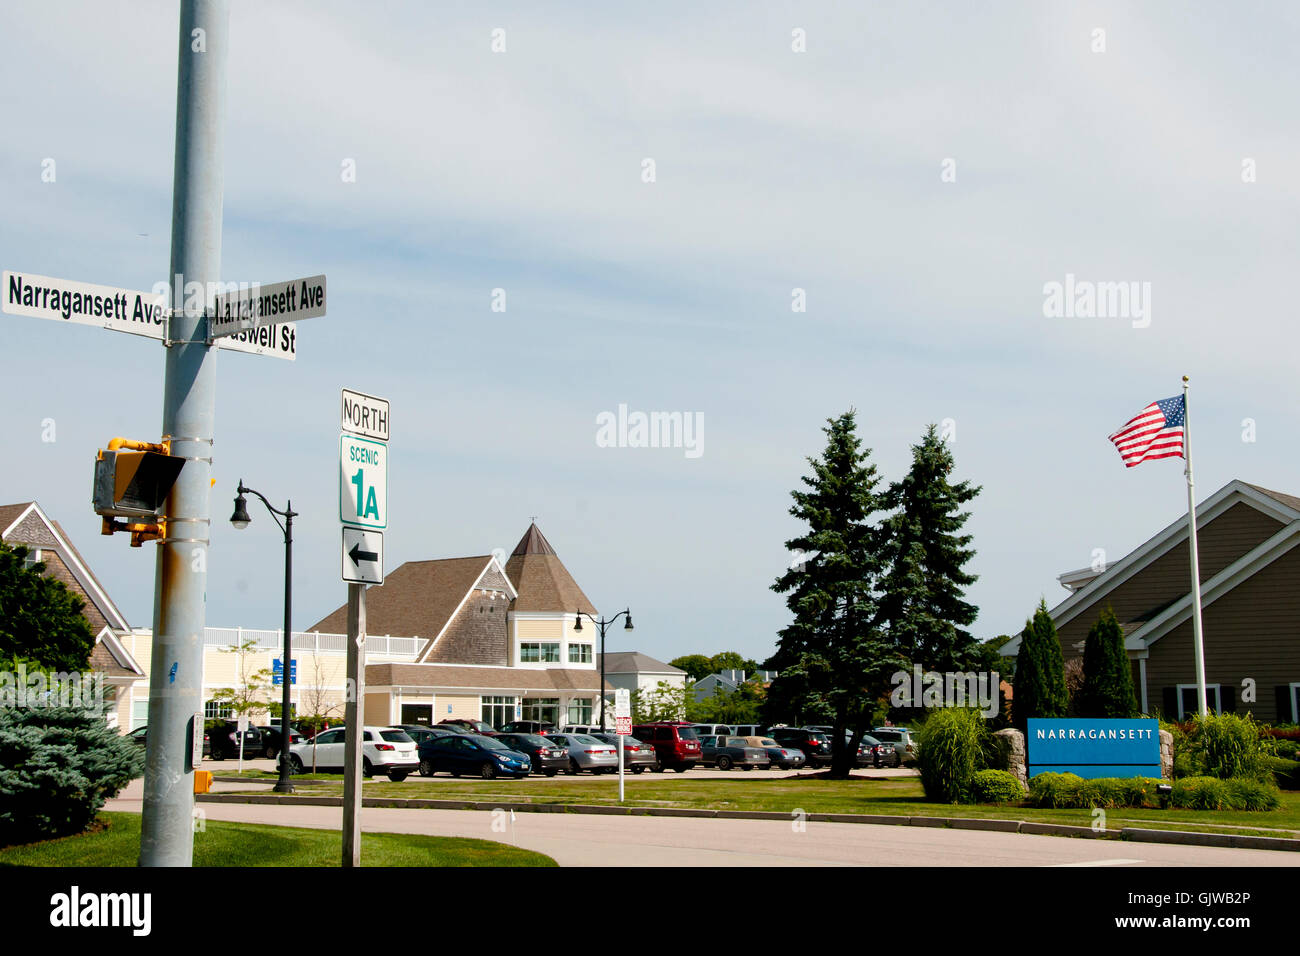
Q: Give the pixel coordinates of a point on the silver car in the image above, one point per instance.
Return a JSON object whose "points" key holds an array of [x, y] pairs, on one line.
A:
{"points": [[586, 753], [636, 755]]}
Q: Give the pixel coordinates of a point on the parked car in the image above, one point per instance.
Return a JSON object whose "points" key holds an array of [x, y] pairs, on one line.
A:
{"points": [[386, 750], [787, 758], [460, 754], [470, 726], [675, 742], [746, 730], [546, 756], [636, 755], [882, 754], [528, 727], [422, 732], [725, 752], [271, 739], [223, 740], [582, 729], [587, 753], [704, 730], [900, 738], [816, 746]]}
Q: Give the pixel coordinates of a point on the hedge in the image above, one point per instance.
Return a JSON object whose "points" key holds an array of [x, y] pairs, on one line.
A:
{"points": [[1068, 791], [996, 786]]}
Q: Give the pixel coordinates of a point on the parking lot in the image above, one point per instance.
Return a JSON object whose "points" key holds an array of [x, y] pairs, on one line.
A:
{"points": [[228, 767]]}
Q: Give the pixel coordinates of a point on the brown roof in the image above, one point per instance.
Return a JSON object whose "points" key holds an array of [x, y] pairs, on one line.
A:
{"points": [[486, 678], [542, 580], [1291, 501], [102, 659], [416, 600], [10, 513]]}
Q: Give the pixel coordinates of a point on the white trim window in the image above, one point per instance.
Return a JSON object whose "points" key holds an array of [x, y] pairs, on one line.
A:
{"points": [[497, 711], [218, 710], [539, 652], [579, 710], [579, 654], [1187, 700]]}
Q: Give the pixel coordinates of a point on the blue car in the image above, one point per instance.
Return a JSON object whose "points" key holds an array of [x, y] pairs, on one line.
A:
{"points": [[473, 754]]}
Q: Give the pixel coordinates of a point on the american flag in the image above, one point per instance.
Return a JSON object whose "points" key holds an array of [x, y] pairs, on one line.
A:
{"points": [[1154, 432]]}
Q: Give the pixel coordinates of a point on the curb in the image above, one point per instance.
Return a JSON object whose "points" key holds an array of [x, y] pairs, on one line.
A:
{"points": [[1130, 834]]}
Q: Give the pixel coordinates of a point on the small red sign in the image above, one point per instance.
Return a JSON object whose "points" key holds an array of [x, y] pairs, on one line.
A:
{"points": [[623, 726]]}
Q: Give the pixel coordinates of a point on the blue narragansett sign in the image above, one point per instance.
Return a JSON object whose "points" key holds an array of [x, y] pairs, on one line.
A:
{"points": [[1092, 747]]}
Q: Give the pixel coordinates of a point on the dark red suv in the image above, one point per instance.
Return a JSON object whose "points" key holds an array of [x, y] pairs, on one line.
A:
{"points": [[675, 742]]}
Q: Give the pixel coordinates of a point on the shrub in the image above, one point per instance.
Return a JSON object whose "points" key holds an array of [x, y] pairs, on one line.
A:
{"points": [[1252, 795], [1227, 746], [1286, 773], [996, 786], [951, 748], [1068, 791], [1200, 793], [57, 767]]}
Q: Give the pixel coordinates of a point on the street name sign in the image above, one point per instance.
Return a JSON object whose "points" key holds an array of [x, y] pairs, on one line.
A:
{"points": [[364, 415], [66, 300], [363, 556], [363, 482], [256, 306]]}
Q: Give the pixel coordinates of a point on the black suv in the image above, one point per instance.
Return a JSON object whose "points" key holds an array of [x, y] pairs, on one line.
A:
{"points": [[223, 737], [816, 746]]}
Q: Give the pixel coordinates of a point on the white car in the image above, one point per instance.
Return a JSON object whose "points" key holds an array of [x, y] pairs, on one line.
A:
{"points": [[387, 750]]}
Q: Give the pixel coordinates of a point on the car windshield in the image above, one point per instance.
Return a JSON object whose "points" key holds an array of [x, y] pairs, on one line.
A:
{"points": [[870, 741], [586, 739], [490, 743], [533, 740]]}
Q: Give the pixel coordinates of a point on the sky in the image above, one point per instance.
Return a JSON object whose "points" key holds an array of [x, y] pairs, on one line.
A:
{"points": [[921, 172]]}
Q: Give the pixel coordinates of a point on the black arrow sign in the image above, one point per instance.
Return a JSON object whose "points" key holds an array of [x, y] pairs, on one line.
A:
{"points": [[357, 555]]}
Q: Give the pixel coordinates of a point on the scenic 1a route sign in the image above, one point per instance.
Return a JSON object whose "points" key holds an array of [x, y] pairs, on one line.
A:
{"points": [[363, 556], [363, 482]]}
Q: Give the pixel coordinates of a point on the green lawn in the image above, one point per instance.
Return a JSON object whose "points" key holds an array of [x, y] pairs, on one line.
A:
{"points": [[896, 796], [117, 843]]}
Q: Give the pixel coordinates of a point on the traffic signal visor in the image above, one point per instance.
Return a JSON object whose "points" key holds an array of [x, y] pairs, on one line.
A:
{"points": [[134, 484]]}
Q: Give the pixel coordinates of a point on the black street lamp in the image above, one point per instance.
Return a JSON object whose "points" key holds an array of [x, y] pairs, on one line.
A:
{"points": [[602, 624], [240, 520]]}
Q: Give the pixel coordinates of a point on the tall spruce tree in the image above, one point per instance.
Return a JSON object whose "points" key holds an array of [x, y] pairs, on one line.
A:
{"points": [[923, 605], [1107, 676], [833, 657], [40, 619], [1039, 687]]}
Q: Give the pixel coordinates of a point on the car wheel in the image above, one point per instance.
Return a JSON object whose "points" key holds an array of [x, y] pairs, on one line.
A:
{"points": [[295, 763], [271, 752], [724, 763], [638, 769], [488, 770], [397, 776], [426, 768], [573, 767], [551, 772], [366, 769], [218, 755], [658, 768]]}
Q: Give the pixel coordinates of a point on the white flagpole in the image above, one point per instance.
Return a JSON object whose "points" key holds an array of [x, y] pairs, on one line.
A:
{"points": [[1197, 634]]}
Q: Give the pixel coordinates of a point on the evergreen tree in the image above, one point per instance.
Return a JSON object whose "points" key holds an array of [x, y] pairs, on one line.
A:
{"points": [[924, 605], [1107, 677], [1039, 687], [697, 666], [833, 656], [40, 619]]}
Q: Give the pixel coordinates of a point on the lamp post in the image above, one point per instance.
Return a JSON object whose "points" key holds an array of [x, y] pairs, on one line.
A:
{"points": [[602, 624], [240, 520]]}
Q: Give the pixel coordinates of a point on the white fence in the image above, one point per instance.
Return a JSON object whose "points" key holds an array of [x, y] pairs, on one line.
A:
{"points": [[312, 641]]}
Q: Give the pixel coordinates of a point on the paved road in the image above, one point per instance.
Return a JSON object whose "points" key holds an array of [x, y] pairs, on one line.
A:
{"points": [[583, 840]]}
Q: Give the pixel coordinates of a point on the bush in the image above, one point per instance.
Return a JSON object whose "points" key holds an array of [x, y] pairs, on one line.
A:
{"points": [[951, 748], [1226, 746], [57, 767], [996, 786], [1068, 791], [1286, 773], [1215, 793]]}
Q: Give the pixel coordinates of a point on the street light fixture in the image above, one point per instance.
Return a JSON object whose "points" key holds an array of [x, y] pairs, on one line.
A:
{"points": [[602, 624], [241, 520]]}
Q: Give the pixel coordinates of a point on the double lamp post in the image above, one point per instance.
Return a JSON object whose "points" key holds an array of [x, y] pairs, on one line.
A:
{"points": [[602, 624]]}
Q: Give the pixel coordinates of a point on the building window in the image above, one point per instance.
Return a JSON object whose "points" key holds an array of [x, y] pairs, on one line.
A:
{"points": [[498, 711], [139, 713], [545, 709], [33, 557], [539, 652], [218, 710], [1187, 700], [579, 653], [579, 711]]}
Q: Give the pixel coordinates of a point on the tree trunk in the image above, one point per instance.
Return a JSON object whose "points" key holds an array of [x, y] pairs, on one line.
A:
{"points": [[841, 757]]}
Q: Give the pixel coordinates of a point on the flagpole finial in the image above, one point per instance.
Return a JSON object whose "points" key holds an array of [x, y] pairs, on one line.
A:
{"points": [[1185, 380]]}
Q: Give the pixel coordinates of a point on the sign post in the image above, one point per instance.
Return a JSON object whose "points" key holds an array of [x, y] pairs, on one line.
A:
{"points": [[363, 512], [622, 728]]}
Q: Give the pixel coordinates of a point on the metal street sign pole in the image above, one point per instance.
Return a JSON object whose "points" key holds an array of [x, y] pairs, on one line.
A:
{"points": [[353, 713], [175, 677]]}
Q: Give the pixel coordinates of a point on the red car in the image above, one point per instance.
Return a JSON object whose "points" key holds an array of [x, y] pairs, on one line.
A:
{"points": [[675, 742]]}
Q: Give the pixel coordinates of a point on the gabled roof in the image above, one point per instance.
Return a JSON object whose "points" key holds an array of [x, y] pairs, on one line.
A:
{"points": [[1281, 507], [543, 582], [634, 662], [419, 599], [111, 657], [12, 517]]}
